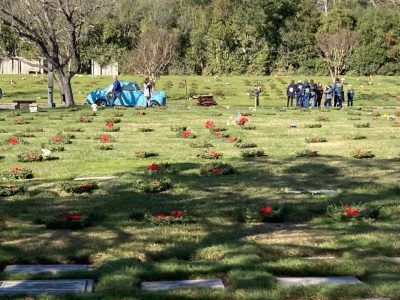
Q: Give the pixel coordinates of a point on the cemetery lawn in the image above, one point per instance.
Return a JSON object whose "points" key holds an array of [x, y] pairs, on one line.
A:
{"points": [[125, 249]]}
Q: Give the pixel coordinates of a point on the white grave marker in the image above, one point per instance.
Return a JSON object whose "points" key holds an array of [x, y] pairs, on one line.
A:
{"points": [[183, 284]]}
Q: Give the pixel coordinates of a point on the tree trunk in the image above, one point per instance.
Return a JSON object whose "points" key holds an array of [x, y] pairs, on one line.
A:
{"points": [[66, 89]]}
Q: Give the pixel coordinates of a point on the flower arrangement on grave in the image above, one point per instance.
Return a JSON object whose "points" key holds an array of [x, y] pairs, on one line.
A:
{"points": [[85, 119], [232, 139], [359, 137], [247, 127], [242, 121], [397, 113], [177, 128], [11, 190], [153, 186], [209, 124], [17, 173], [109, 127], [220, 134], [212, 154], [53, 147], [215, 129], [356, 212], [138, 113], [242, 145], [79, 188], [73, 129], [20, 121], [70, 221], [57, 139], [186, 134], [322, 119], [164, 168], [360, 154], [66, 135], [216, 168], [113, 121], [118, 114], [172, 218], [24, 135], [12, 141], [145, 154], [307, 153], [375, 114], [362, 125], [146, 129], [312, 125], [30, 156], [252, 153], [200, 144], [316, 139], [266, 213], [106, 147], [104, 139]]}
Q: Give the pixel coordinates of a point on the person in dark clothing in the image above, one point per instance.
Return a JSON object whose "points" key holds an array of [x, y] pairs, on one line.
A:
{"points": [[256, 94], [116, 91], [299, 94], [320, 92], [338, 92], [306, 93], [350, 95], [290, 93], [313, 93]]}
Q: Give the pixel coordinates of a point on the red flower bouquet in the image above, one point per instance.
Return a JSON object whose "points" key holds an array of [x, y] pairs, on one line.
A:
{"points": [[242, 121], [109, 124], [12, 141], [266, 210], [209, 124]]}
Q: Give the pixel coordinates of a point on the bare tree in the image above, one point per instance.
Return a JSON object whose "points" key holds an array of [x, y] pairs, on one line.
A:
{"points": [[335, 48], [56, 29], [152, 54]]}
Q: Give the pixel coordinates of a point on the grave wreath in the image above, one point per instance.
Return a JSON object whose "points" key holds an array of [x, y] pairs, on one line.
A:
{"points": [[153, 186], [360, 154], [253, 153], [212, 154], [216, 168], [79, 188], [200, 144], [70, 221], [145, 154], [173, 218], [17, 173], [307, 153], [11, 190], [242, 145], [316, 139], [267, 213], [161, 168], [355, 212], [30, 156]]}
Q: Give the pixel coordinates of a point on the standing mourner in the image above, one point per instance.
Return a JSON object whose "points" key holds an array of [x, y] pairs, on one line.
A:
{"points": [[1, 93], [299, 94], [328, 95], [338, 92], [290, 93], [256, 94], [116, 91], [147, 86], [306, 93], [320, 92], [313, 93], [350, 95]]}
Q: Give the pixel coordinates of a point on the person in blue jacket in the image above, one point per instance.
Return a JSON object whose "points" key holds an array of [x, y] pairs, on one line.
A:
{"points": [[299, 94], [306, 93], [338, 92], [290, 93], [350, 95], [116, 91]]}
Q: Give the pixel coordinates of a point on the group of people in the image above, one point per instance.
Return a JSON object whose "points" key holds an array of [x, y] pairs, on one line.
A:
{"points": [[116, 91], [311, 93]]}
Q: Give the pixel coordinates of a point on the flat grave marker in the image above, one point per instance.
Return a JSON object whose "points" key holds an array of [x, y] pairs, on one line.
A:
{"points": [[393, 259], [183, 284], [36, 269], [300, 281], [48, 287], [322, 192]]}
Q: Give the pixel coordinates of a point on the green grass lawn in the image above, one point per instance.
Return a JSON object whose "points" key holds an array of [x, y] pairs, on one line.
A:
{"points": [[227, 90], [126, 250]]}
